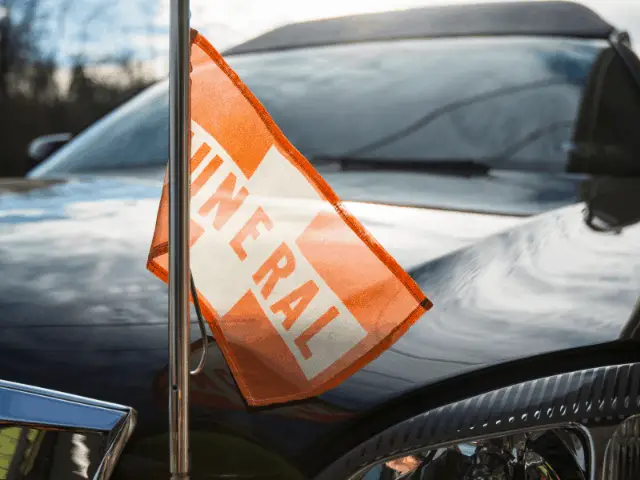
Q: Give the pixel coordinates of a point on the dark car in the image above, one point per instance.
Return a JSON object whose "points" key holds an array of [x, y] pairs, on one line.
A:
{"points": [[493, 150]]}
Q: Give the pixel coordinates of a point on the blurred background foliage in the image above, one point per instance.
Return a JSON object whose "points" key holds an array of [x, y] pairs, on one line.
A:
{"points": [[66, 63], [42, 91]]}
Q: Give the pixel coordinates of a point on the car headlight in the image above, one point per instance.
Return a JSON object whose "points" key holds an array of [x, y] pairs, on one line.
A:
{"points": [[580, 425]]}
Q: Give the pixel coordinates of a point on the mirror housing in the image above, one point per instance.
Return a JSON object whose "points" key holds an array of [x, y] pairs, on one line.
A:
{"points": [[605, 141], [42, 147], [611, 204], [47, 431]]}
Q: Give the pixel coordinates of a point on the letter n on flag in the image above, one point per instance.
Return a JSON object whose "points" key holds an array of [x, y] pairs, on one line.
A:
{"points": [[298, 295]]}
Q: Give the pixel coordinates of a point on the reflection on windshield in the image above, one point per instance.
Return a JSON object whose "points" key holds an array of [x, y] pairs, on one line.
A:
{"points": [[512, 99], [451, 108], [451, 98]]}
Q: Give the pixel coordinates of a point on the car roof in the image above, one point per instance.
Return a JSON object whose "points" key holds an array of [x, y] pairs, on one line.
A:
{"points": [[543, 18]]}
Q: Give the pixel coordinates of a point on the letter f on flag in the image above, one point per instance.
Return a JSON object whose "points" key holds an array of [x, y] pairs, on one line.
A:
{"points": [[298, 295]]}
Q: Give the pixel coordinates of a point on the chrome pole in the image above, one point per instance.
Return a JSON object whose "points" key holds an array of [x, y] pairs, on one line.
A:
{"points": [[179, 52]]}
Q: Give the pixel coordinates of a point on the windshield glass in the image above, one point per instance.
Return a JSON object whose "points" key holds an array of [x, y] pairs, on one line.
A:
{"points": [[508, 102]]}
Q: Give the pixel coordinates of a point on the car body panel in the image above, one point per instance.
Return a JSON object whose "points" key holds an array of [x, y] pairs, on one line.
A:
{"points": [[83, 315]]}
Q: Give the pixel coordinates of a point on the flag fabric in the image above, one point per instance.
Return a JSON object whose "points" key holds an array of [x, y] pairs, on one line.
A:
{"points": [[297, 293]]}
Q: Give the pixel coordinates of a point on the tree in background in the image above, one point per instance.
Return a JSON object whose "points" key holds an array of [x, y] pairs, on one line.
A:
{"points": [[32, 100]]}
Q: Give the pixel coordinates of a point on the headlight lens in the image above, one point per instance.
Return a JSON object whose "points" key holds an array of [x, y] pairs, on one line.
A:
{"points": [[554, 454], [564, 453]]}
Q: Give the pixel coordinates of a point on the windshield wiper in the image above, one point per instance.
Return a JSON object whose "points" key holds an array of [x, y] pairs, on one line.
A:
{"points": [[440, 166]]}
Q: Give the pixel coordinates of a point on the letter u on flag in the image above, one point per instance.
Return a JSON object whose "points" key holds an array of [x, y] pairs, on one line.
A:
{"points": [[298, 295]]}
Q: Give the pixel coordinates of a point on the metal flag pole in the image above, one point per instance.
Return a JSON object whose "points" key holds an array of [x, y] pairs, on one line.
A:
{"points": [[179, 337]]}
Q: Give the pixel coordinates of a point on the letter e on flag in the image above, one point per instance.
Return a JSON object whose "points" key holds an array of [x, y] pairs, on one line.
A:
{"points": [[297, 293]]}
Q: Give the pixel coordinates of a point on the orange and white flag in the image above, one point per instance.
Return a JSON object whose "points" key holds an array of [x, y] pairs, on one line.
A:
{"points": [[298, 295]]}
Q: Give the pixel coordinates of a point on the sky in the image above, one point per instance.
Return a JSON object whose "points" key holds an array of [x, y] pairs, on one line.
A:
{"points": [[98, 29], [228, 22]]}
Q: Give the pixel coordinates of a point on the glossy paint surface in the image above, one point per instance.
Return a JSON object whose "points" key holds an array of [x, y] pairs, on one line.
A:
{"points": [[80, 313]]}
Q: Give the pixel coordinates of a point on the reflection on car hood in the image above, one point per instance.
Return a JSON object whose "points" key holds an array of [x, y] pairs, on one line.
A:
{"points": [[75, 293], [412, 235], [76, 296], [500, 192]]}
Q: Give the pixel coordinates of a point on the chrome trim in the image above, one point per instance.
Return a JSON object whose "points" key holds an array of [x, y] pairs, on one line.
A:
{"points": [[591, 454], [29, 406], [116, 447], [5, 385]]}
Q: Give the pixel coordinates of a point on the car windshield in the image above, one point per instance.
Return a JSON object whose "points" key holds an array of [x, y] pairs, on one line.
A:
{"points": [[510, 103]]}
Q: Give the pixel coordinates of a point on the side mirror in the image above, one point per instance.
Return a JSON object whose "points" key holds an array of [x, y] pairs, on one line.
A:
{"points": [[605, 141], [43, 147], [49, 434]]}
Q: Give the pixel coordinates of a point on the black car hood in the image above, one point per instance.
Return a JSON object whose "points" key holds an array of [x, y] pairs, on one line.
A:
{"points": [[502, 192], [75, 295]]}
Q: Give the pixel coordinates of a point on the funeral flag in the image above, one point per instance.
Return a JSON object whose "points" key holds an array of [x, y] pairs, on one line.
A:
{"points": [[297, 293]]}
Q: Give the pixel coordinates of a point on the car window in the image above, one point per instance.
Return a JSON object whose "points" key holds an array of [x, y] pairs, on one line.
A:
{"points": [[135, 135], [510, 102]]}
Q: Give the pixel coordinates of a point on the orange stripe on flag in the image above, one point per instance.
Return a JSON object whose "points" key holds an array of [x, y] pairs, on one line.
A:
{"points": [[216, 88], [207, 172], [199, 156], [343, 261], [297, 293]]}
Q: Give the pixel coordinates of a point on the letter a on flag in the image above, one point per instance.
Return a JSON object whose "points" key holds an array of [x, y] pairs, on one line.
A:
{"points": [[298, 295]]}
